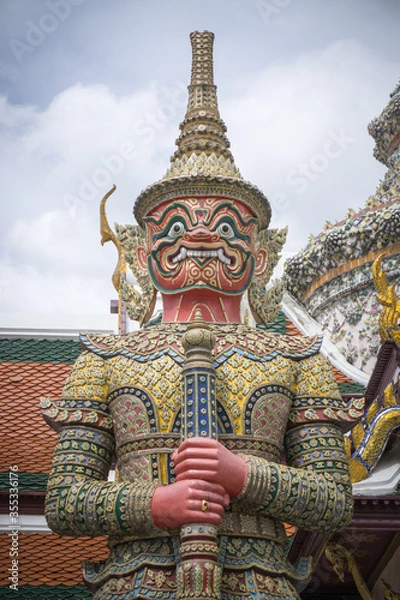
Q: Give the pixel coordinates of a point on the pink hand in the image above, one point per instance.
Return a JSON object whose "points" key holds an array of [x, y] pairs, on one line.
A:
{"points": [[183, 502], [208, 460]]}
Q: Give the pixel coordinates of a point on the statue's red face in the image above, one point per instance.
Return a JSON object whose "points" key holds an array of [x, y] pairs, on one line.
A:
{"points": [[206, 243]]}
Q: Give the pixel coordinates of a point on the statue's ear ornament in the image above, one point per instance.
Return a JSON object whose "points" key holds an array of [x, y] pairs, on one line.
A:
{"points": [[139, 306], [127, 239], [266, 304]]}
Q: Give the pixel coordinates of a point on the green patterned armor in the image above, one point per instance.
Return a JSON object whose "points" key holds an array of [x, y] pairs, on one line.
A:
{"points": [[276, 396]]}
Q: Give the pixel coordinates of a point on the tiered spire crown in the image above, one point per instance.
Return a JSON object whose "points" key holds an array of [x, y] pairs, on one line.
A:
{"points": [[202, 165]]}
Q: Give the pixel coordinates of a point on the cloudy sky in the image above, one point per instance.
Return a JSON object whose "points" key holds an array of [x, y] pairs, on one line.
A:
{"points": [[92, 93]]}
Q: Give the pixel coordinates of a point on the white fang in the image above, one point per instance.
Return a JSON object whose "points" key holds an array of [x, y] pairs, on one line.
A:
{"points": [[183, 253]]}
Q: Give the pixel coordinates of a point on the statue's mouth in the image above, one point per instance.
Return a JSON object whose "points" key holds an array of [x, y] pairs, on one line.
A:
{"points": [[201, 254]]}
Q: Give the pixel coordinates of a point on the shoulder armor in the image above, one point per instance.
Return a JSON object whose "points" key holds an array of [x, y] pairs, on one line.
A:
{"points": [[262, 345], [142, 346], [68, 411], [149, 344]]}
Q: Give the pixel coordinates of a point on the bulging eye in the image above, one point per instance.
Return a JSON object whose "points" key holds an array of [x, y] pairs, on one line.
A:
{"points": [[176, 229], [225, 230]]}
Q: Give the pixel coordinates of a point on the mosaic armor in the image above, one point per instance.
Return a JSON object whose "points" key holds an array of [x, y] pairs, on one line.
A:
{"points": [[277, 401]]}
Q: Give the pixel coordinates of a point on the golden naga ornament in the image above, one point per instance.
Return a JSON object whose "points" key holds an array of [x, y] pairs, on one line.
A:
{"points": [[139, 306], [343, 562], [389, 327], [369, 437]]}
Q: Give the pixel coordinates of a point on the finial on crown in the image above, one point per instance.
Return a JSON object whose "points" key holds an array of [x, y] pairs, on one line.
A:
{"points": [[203, 147]]}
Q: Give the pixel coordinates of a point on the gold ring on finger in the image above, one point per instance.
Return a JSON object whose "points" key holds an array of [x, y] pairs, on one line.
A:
{"points": [[204, 505]]}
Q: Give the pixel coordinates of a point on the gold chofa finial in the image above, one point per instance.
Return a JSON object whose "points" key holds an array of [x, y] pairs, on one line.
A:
{"points": [[389, 321]]}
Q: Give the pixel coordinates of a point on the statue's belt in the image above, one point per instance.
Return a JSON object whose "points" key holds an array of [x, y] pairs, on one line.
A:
{"points": [[168, 442]]}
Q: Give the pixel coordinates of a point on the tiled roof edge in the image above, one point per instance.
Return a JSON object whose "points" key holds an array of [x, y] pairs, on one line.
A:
{"points": [[347, 387], [50, 592], [57, 351], [26, 481]]}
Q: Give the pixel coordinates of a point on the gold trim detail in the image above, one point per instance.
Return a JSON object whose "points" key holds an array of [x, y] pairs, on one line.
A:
{"points": [[343, 562], [369, 439], [389, 327], [108, 235]]}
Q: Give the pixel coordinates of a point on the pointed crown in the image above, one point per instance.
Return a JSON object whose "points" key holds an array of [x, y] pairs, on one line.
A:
{"points": [[202, 165]]}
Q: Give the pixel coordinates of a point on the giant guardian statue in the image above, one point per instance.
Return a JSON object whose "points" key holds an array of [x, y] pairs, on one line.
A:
{"points": [[221, 430]]}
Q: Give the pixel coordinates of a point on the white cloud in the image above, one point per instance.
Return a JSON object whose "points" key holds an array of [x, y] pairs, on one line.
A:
{"points": [[57, 164], [30, 289]]}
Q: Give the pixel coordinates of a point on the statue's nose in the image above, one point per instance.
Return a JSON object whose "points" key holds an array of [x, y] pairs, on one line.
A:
{"points": [[200, 234]]}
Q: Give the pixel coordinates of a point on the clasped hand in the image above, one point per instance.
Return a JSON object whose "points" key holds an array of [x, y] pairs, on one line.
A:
{"points": [[208, 475]]}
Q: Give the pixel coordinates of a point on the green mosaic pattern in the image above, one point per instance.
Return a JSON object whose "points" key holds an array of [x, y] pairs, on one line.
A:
{"points": [[279, 325]]}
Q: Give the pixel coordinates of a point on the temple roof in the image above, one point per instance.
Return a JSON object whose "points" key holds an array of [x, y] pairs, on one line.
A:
{"points": [[43, 558], [29, 441], [39, 351]]}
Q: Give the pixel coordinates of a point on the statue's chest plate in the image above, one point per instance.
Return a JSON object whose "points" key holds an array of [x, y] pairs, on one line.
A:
{"points": [[253, 398], [254, 380], [254, 390]]}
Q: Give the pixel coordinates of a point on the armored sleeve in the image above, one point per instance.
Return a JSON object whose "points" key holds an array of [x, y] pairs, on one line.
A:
{"points": [[80, 500], [313, 489]]}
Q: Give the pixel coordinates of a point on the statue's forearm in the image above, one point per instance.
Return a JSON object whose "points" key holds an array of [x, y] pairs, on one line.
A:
{"points": [[314, 492], [92, 508], [80, 500]]}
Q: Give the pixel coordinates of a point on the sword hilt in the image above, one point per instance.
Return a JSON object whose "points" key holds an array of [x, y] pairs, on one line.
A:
{"points": [[199, 410]]}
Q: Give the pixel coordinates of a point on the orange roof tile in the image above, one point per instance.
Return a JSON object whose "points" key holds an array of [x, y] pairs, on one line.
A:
{"points": [[291, 329], [341, 377], [51, 559], [30, 441]]}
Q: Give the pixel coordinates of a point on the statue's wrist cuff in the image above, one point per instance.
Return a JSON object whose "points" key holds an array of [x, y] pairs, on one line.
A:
{"points": [[257, 484], [139, 511]]}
